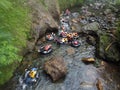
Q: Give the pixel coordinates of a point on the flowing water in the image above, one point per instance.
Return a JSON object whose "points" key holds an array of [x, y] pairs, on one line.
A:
{"points": [[80, 76]]}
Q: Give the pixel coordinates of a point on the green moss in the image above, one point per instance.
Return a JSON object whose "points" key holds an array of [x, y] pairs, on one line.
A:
{"points": [[117, 2], [104, 41]]}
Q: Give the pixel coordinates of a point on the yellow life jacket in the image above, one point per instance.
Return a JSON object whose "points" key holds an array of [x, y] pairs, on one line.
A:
{"points": [[32, 74]]}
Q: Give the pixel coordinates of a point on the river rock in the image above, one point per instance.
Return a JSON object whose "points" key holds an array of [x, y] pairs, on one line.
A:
{"points": [[74, 21], [53, 8], [76, 27], [70, 51], [86, 84], [73, 28], [107, 11], [113, 8], [75, 15], [92, 26], [41, 19], [88, 60], [30, 46], [99, 85], [56, 68]]}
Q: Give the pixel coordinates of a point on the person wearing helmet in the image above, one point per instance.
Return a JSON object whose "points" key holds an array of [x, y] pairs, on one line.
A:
{"points": [[31, 76], [47, 47], [32, 73]]}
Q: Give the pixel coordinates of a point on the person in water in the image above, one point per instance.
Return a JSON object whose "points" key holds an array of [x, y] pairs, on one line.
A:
{"points": [[47, 47], [67, 12], [30, 76]]}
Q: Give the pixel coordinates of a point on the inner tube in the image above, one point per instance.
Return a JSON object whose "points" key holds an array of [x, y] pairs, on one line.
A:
{"points": [[29, 80], [49, 37], [75, 43], [46, 49], [46, 52], [26, 81]]}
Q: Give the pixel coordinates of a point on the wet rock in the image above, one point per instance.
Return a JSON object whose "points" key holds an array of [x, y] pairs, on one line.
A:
{"points": [[110, 18], [43, 39], [88, 13], [41, 19], [73, 28], [53, 8], [91, 40], [107, 11], [74, 20], [88, 60], [76, 27], [92, 26], [92, 19], [83, 20], [75, 15], [56, 68], [86, 84], [99, 85], [98, 5], [113, 8], [70, 51], [30, 46]]}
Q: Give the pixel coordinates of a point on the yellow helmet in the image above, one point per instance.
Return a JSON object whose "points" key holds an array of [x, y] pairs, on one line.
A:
{"points": [[32, 74]]}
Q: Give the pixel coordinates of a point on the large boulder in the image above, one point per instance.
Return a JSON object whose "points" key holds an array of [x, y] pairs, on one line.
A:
{"points": [[99, 84], [42, 20], [88, 60], [53, 8], [56, 68]]}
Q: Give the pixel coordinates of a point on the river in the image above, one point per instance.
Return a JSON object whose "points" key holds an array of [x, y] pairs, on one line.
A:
{"points": [[80, 76]]}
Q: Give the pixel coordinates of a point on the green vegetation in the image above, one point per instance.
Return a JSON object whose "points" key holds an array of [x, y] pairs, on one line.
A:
{"points": [[117, 2], [105, 41], [14, 27], [118, 32], [69, 3]]}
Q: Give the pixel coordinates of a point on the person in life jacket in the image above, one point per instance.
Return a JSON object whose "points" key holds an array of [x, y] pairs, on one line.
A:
{"points": [[64, 40], [75, 35], [47, 47], [67, 12], [33, 73]]}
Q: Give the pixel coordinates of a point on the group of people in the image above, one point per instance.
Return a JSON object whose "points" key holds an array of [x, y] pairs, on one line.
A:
{"points": [[64, 36]]}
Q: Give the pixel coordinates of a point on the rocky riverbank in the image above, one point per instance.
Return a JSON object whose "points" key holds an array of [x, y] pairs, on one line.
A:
{"points": [[95, 25]]}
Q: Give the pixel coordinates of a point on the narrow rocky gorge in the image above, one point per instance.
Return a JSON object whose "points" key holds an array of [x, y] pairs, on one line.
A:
{"points": [[92, 23]]}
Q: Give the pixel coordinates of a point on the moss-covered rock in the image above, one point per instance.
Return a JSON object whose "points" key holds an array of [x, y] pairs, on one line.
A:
{"points": [[108, 48]]}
